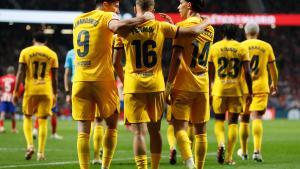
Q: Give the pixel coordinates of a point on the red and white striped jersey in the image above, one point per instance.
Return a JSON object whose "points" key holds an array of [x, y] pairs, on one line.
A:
{"points": [[7, 84]]}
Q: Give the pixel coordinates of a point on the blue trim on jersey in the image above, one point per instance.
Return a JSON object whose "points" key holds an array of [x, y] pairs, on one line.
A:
{"points": [[69, 63]]}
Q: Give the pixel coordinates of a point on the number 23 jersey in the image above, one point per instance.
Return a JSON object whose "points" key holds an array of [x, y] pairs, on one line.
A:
{"points": [[39, 61], [227, 57], [143, 47]]}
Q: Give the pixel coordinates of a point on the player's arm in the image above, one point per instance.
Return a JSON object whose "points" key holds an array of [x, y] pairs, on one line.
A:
{"points": [[20, 77], [124, 27], [54, 72], [274, 76], [174, 66], [67, 79], [248, 78], [211, 76], [54, 80], [194, 30], [167, 18], [117, 58]]}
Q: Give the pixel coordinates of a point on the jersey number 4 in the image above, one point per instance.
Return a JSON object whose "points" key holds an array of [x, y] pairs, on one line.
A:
{"points": [[143, 54], [254, 64]]}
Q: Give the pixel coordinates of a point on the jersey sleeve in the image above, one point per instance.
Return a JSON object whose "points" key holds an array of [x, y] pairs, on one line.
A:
{"points": [[118, 42], [208, 34], [211, 53], [109, 16], [22, 57], [69, 60], [169, 30], [271, 57], [55, 62], [244, 53], [179, 42]]}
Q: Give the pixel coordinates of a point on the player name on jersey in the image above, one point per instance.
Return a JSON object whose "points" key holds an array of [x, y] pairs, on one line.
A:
{"points": [[145, 29]]}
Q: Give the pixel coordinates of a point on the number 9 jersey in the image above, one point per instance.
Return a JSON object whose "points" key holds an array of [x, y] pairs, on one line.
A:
{"points": [[143, 47], [39, 61], [92, 40], [227, 57]]}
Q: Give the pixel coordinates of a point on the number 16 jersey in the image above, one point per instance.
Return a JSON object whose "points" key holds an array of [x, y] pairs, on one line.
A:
{"points": [[39, 60], [228, 57], [143, 47]]}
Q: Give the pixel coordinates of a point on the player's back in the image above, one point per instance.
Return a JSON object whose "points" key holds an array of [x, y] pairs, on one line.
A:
{"points": [[261, 53], [143, 47], [192, 74], [39, 60], [92, 42], [7, 84], [227, 56]]}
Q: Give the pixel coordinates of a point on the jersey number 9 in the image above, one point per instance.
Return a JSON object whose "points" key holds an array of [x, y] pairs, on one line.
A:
{"points": [[83, 40]]}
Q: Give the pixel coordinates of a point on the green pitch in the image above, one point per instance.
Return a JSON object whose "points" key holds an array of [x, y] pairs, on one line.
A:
{"points": [[281, 149]]}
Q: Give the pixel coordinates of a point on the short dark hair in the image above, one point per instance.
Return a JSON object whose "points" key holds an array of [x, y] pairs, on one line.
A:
{"points": [[197, 5], [40, 37], [145, 4], [109, 1], [229, 31]]}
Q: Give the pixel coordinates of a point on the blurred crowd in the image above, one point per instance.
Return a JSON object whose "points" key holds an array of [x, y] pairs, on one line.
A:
{"points": [[285, 40], [212, 6]]}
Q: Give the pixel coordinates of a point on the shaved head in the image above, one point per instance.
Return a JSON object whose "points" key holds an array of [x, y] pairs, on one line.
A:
{"points": [[251, 28]]}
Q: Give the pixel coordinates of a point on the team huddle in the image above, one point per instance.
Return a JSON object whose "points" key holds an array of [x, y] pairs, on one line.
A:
{"points": [[228, 76]]}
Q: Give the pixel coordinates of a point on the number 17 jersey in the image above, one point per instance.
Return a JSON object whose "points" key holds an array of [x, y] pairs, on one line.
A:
{"points": [[143, 47], [38, 60]]}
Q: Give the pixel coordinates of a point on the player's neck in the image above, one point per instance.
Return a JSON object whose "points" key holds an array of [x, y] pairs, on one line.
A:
{"points": [[140, 13], [38, 44], [193, 14], [251, 37], [225, 38]]}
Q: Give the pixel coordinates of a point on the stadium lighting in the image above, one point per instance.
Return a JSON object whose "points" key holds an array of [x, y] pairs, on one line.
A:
{"points": [[49, 31], [66, 31], [28, 27]]}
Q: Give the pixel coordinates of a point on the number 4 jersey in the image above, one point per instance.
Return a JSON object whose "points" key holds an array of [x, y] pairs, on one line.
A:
{"points": [[227, 57], [261, 53], [192, 74], [143, 47], [39, 60]]}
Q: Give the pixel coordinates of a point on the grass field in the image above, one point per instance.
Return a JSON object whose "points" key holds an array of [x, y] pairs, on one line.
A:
{"points": [[281, 149]]}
